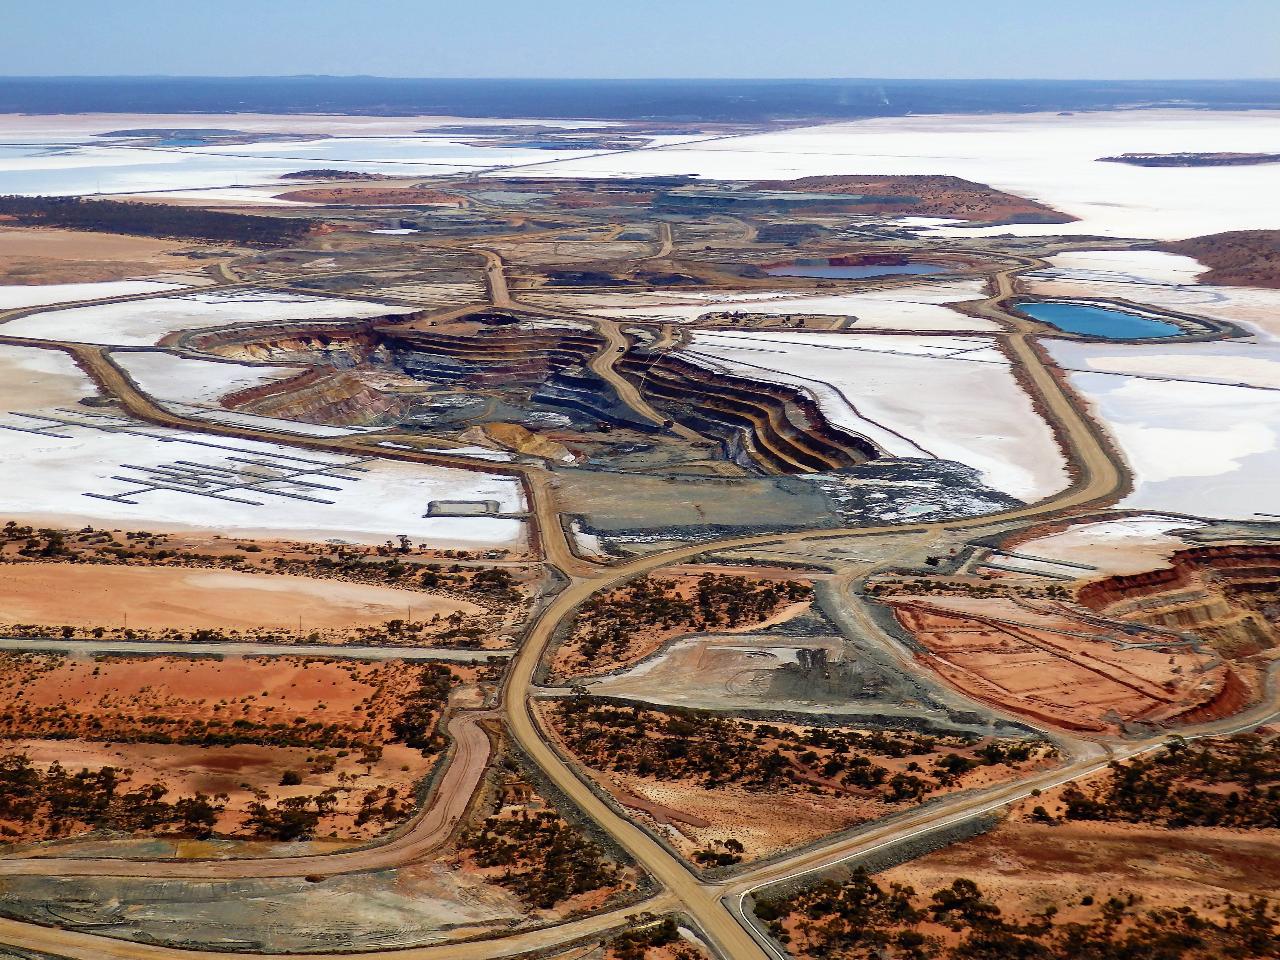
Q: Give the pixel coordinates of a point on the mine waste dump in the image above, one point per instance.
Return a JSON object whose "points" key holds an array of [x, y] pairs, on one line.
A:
{"points": [[853, 268]]}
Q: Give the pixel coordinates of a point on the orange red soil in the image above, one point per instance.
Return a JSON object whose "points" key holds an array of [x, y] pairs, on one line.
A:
{"points": [[183, 598], [1049, 664], [371, 196], [107, 696], [229, 725], [1025, 866], [38, 255], [1227, 594]]}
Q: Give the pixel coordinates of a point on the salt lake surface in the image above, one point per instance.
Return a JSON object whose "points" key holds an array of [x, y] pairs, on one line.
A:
{"points": [[933, 397], [1047, 157], [60, 154], [46, 476]]}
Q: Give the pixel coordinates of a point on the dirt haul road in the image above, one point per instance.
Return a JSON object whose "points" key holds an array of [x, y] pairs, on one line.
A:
{"points": [[86, 946], [603, 365], [1098, 478]]}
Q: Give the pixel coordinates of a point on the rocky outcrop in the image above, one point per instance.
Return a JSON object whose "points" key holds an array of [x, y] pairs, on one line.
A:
{"points": [[1245, 258], [336, 344], [338, 398]]}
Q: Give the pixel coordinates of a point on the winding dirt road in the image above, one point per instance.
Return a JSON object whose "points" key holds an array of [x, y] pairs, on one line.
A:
{"points": [[603, 365]]}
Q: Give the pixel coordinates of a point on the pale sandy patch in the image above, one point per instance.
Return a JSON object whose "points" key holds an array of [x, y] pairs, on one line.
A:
{"points": [[41, 256], [1122, 545]]}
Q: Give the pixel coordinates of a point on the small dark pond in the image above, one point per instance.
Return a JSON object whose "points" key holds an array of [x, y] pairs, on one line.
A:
{"points": [[831, 271]]}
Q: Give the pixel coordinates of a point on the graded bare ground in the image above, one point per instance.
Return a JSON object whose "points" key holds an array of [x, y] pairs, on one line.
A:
{"points": [[1048, 664], [1025, 867], [38, 255], [177, 597]]}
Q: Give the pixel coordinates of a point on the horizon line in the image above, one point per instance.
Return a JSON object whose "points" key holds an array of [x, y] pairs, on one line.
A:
{"points": [[664, 79]]}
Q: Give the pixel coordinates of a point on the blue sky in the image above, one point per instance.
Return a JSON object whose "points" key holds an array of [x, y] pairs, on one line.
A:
{"points": [[1114, 39]]}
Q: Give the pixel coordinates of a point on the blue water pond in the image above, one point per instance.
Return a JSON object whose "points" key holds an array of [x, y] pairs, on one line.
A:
{"points": [[1095, 321]]}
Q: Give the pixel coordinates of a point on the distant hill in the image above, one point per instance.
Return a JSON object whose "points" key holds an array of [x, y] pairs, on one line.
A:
{"points": [[928, 196], [1244, 258], [1193, 159]]}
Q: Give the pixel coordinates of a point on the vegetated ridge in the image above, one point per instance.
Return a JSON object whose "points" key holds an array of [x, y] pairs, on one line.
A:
{"points": [[154, 220], [330, 173], [1237, 258], [928, 196], [373, 196]]}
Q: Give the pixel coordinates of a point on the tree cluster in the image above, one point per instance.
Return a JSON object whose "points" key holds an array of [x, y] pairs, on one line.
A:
{"points": [[1233, 782], [292, 818], [417, 723], [637, 944], [58, 723], [545, 860], [860, 919], [717, 752], [57, 801], [607, 623]]}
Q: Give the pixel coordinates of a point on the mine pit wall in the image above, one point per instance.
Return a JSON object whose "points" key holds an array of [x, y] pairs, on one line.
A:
{"points": [[771, 427], [274, 388], [1231, 695], [1209, 589], [320, 395], [581, 389], [286, 344], [779, 427], [490, 359]]}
